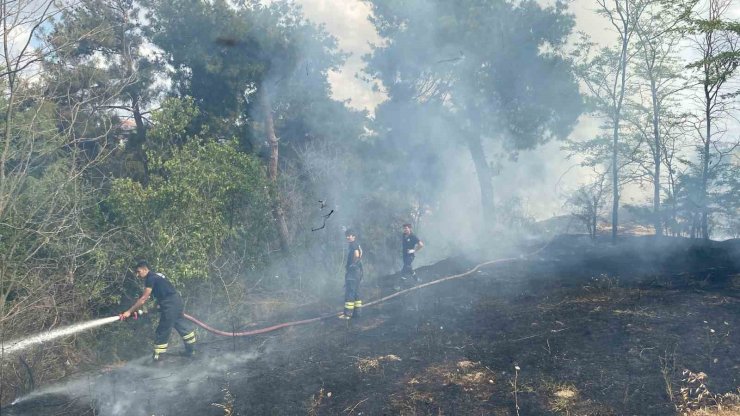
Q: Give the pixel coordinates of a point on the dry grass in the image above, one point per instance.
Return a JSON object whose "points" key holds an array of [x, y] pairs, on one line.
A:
{"points": [[642, 313], [471, 376], [468, 374], [562, 397], [228, 402], [733, 410], [474, 379], [314, 403], [408, 402], [695, 398], [367, 365]]}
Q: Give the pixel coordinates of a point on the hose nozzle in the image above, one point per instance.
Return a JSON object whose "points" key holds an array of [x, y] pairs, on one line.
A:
{"points": [[135, 314]]}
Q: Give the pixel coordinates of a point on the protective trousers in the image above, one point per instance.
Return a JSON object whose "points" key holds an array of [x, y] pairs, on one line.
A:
{"points": [[407, 270], [171, 315], [352, 302]]}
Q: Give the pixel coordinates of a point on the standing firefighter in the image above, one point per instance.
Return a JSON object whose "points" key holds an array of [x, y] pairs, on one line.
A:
{"points": [[410, 244], [352, 278], [170, 311]]}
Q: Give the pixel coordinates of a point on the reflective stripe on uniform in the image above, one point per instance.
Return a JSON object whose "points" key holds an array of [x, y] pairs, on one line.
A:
{"points": [[358, 304], [349, 305], [160, 348], [189, 338]]}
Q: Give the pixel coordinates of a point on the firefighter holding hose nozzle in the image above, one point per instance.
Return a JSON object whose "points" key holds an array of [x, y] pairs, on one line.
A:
{"points": [[170, 311]]}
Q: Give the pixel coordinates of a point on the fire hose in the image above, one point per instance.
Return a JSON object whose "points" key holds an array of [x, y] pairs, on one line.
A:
{"points": [[18, 345], [375, 302]]}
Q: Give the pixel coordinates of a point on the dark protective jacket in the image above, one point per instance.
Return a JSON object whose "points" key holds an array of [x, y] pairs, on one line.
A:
{"points": [[408, 242], [161, 286]]}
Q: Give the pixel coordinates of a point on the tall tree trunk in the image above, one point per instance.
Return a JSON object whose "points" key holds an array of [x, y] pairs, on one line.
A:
{"points": [[594, 217], [705, 155], [705, 162], [140, 138], [615, 181], [657, 157], [7, 119], [7, 136], [485, 179], [620, 91], [272, 173]]}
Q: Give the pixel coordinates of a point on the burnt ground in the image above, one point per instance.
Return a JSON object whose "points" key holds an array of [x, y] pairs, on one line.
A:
{"points": [[579, 328]]}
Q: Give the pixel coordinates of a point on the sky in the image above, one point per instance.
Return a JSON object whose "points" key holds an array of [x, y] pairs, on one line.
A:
{"points": [[348, 21]]}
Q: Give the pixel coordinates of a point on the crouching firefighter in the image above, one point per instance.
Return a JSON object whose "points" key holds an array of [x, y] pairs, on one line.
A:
{"points": [[170, 311], [352, 278]]}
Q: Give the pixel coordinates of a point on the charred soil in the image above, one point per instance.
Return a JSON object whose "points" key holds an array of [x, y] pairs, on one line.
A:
{"points": [[581, 328]]}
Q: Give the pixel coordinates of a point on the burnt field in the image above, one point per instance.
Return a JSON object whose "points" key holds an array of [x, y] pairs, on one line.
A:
{"points": [[579, 328]]}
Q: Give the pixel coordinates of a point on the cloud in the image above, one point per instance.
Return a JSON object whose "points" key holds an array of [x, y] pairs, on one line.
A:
{"points": [[348, 21]]}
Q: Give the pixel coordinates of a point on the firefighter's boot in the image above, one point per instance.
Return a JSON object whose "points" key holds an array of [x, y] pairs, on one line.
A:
{"points": [[189, 341], [356, 311], [160, 352]]}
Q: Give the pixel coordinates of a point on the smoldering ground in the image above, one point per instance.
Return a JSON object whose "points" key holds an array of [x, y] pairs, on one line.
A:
{"points": [[574, 310]]}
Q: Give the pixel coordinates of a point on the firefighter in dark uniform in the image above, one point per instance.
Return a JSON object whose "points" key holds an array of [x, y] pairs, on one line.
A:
{"points": [[170, 311], [352, 277], [410, 244]]}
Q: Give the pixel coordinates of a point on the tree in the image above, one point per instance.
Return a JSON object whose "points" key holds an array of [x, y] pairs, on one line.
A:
{"points": [[487, 71], [15, 15], [606, 78], [674, 140], [248, 73], [661, 175], [716, 44], [200, 195], [728, 201], [52, 248], [656, 65], [99, 65], [587, 202]]}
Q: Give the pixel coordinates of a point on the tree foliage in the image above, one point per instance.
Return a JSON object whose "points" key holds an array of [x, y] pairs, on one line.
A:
{"points": [[200, 195], [486, 71]]}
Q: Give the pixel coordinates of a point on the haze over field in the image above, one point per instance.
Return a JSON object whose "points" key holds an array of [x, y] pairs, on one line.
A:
{"points": [[238, 147]]}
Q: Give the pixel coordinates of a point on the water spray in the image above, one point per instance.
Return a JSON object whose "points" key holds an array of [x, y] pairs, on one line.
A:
{"points": [[18, 345], [21, 344]]}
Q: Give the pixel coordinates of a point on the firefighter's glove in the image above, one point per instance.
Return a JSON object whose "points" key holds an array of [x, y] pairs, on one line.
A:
{"points": [[411, 251]]}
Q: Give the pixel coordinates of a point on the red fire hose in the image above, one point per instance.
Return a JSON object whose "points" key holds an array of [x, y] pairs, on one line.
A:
{"points": [[256, 331], [334, 314]]}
